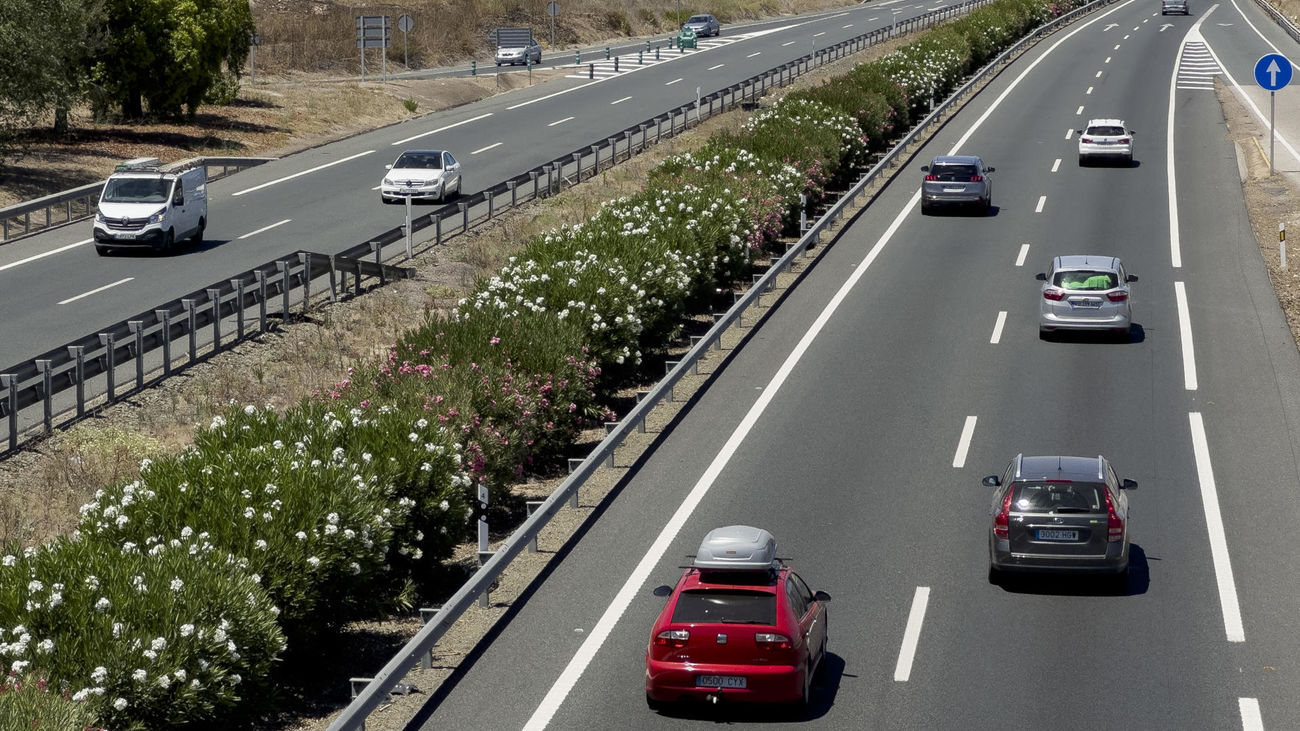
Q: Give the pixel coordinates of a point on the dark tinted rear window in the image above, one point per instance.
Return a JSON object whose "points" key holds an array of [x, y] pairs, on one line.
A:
{"points": [[1105, 130], [725, 605], [1086, 281], [954, 172], [1044, 497]]}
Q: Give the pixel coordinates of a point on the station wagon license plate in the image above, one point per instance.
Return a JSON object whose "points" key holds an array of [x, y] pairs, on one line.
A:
{"points": [[720, 681], [1088, 304], [1054, 534]]}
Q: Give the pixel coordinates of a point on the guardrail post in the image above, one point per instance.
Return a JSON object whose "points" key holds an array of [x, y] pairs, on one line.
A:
{"points": [[426, 615], [573, 465], [109, 341], [10, 382], [640, 396], [532, 506], [490, 197], [532, 175], [238, 284], [577, 171], [214, 294], [437, 230], [47, 385], [595, 167], [669, 365], [464, 216], [514, 199], [137, 329], [378, 249], [79, 353], [165, 317], [305, 259], [261, 298], [191, 325]]}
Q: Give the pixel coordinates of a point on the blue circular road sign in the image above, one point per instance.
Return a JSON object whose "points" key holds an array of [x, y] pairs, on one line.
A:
{"points": [[1273, 71]]}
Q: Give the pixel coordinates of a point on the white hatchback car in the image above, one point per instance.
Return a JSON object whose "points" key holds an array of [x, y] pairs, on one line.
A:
{"points": [[421, 175], [1085, 293], [1106, 139]]}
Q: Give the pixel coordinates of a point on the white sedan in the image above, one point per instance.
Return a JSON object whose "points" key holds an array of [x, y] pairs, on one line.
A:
{"points": [[1106, 139], [421, 175]]}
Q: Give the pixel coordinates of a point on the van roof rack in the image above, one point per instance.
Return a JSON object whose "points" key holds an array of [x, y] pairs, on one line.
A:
{"points": [[737, 548], [139, 164]]}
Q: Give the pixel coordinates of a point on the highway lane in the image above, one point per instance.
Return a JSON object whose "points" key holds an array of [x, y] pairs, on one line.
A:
{"points": [[853, 464], [327, 193]]}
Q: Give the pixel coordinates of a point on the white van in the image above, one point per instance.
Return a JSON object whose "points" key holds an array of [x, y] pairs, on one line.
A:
{"points": [[145, 204]]}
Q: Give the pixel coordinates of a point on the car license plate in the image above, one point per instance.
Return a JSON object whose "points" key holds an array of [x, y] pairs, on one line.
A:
{"points": [[125, 235], [955, 190], [1054, 534], [1085, 304], [720, 681], [407, 191]]}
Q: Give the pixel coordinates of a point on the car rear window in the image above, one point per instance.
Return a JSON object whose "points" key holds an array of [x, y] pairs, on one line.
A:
{"points": [[1106, 130], [725, 605], [1086, 281], [954, 172], [1045, 497]]}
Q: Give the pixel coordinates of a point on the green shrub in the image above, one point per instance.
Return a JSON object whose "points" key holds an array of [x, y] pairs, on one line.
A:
{"points": [[28, 702]]}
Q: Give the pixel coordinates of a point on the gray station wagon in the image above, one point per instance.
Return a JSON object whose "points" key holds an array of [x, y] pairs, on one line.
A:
{"points": [[1085, 293], [956, 180], [1059, 514]]}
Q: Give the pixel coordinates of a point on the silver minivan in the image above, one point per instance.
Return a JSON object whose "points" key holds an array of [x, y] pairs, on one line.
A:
{"points": [[1085, 293]]}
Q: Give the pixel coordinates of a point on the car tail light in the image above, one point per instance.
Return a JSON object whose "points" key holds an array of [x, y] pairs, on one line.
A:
{"points": [[1056, 295], [1124, 140], [772, 641], [976, 178], [1086, 140], [932, 177], [1114, 526], [1119, 296], [673, 638], [1000, 527]]}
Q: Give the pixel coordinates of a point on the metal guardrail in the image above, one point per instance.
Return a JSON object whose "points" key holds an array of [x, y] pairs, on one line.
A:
{"points": [[77, 204], [419, 647], [1283, 22]]}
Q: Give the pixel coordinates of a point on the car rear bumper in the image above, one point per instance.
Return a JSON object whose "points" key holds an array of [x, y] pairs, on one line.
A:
{"points": [[951, 199], [1053, 321], [1115, 560], [673, 682], [1111, 151]]}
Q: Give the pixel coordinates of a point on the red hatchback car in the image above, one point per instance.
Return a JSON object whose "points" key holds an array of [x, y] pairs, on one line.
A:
{"points": [[739, 626]]}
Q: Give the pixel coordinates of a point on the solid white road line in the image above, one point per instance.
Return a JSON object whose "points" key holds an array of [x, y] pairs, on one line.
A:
{"points": [[1042, 201], [620, 101], [97, 290], [560, 121], [963, 443], [911, 635], [1056, 165], [485, 149], [1218, 539], [441, 129], [1250, 718], [266, 228], [997, 327], [42, 255], [674, 81], [304, 172], [1185, 335], [1020, 258], [632, 587]]}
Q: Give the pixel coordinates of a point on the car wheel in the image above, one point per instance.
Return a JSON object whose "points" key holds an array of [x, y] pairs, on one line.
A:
{"points": [[987, 207], [926, 209], [995, 576], [806, 699], [1083, 161], [102, 250], [1128, 161], [1044, 334], [197, 238], [654, 705], [1119, 583], [169, 242], [1121, 334]]}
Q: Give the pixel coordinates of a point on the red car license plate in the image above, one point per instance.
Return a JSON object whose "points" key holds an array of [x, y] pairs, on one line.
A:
{"points": [[719, 681]]}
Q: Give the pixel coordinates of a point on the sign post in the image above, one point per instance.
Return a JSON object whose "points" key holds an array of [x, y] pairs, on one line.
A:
{"points": [[1272, 72], [372, 32], [552, 8], [405, 24]]}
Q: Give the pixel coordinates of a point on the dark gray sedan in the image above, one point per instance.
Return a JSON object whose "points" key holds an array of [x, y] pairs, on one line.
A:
{"points": [[956, 180], [1059, 514], [703, 25]]}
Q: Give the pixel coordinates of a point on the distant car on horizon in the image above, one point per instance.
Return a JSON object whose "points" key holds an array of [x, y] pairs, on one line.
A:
{"points": [[520, 54], [703, 24], [1168, 7], [421, 175]]}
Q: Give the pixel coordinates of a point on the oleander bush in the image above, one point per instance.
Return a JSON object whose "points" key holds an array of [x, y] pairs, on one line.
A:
{"points": [[183, 590]]}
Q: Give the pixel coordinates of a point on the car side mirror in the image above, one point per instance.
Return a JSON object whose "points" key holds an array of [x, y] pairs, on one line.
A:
{"points": [[1131, 278], [991, 481], [663, 590], [989, 170], [388, 167], [1078, 131], [1041, 276], [821, 596], [925, 168], [1128, 484], [1132, 132]]}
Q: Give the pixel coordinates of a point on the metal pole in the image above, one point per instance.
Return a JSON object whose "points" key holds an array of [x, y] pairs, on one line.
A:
{"points": [[137, 327], [1272, 127], [214, 294], [46, 386], [410, 250], [238, 284], [1281, 242], [165, 316], [110, 363], [383, 48], [10, 382], [79, 352], [190, 327]]}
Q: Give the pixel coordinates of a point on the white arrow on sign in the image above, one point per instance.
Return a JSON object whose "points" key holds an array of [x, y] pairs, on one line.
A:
{"points": [[1166, 25], [1272, 70], [1112, 25]]}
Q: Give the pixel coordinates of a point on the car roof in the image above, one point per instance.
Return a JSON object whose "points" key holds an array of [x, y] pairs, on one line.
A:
{"points": [[1106, 121], [1086, 261], [956, 160], [764, 581], [421, 152], [1081, 469]]}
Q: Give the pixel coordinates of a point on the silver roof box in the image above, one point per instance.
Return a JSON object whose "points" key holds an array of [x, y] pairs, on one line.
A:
{"points": [[737, 548]]}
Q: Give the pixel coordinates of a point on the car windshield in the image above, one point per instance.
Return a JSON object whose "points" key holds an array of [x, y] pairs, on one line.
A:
{"points": [[698, 19], [733, 606], [1106, 130], [421, 160], [963, 173], [1063, 497], [1086, 281], [136, 190]]}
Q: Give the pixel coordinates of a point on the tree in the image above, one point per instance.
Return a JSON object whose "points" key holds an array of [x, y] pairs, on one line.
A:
{"points": [[170, 53], [45, 47]]}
